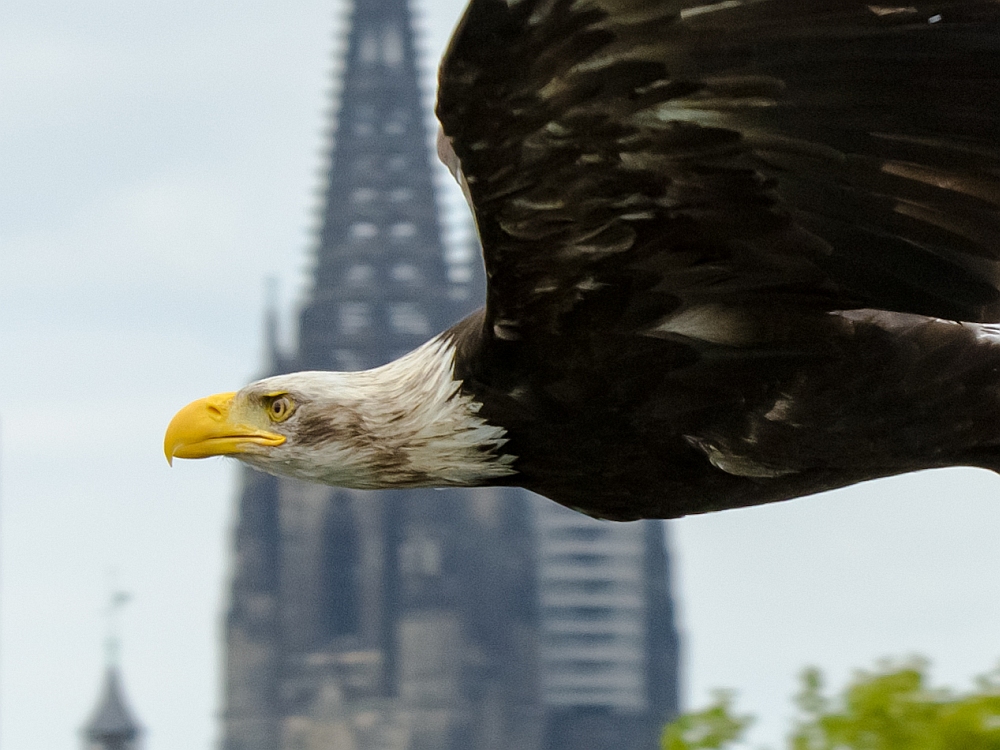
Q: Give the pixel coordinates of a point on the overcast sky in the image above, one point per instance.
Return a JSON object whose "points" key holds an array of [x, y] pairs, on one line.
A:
{"points": [[158, 161]]}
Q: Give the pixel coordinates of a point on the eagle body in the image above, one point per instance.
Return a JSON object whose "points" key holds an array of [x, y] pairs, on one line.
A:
{"points": [[844, 398], [736, 252]]}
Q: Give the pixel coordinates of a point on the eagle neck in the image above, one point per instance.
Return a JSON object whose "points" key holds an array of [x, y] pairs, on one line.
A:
{"points": [[413, 425]]}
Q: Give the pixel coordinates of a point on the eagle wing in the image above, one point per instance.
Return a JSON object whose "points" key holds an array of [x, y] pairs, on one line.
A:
{"points": [[632, 160]]}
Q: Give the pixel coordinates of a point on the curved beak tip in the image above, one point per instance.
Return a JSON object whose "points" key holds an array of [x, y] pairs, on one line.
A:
{"points": [[195, 425]]}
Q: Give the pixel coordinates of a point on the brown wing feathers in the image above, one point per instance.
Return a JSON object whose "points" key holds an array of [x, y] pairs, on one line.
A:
{"points": [[818, 147]]}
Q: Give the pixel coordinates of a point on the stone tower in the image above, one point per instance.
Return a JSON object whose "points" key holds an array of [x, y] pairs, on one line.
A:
{"points": [[609, 647], [414, 620], [380, 619]]}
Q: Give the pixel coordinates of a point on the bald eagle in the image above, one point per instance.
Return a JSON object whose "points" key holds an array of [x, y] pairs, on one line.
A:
{"points": [[736, 253]]}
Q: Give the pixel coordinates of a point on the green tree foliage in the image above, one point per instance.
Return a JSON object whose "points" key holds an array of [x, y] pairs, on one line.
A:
{"points": [[710, 729], [890, 708]]}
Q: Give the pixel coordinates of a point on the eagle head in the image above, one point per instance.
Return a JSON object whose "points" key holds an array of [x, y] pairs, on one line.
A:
{"points": [[404, 424], [300, 425]]}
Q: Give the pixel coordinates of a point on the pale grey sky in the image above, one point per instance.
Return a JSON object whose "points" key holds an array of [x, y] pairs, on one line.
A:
{"points": [[157, 162]]}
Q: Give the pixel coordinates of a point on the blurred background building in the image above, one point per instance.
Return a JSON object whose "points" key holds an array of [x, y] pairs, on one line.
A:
{"points": [[481, 619], [112, 725]]}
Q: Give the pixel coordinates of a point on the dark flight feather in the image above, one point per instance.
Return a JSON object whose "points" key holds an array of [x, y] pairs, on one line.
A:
{"points": [[680, 205]]}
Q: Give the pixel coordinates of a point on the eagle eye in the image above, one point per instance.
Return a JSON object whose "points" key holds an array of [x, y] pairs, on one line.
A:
{"points": [[280, 407]]}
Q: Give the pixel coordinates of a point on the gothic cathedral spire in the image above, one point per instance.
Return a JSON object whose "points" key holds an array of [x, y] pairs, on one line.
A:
{"points": [[381, 286]]}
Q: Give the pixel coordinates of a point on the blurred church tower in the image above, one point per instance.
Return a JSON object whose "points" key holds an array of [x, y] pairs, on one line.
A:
{"points": [[425, 619], [112, 725]]}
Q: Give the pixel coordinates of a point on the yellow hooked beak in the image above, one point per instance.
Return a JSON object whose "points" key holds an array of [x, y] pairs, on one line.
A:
{"points": [[204, 428]]}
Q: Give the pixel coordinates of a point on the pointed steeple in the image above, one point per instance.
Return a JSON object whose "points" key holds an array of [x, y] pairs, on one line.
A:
{"points": [[113, 725], [381, 282]]}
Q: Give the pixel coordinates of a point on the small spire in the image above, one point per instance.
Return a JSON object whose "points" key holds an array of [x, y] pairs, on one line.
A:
{"points": [[112, 725]]}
